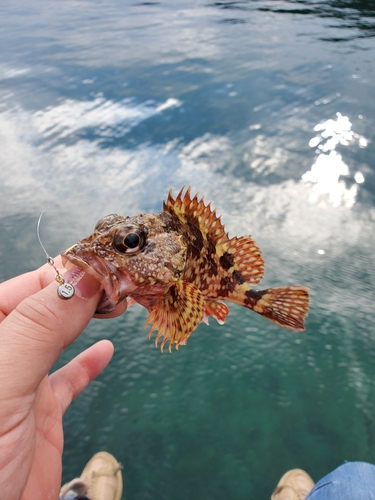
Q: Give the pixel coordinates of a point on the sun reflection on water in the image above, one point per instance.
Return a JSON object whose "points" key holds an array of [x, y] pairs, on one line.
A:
{"points": [[329, 167]]}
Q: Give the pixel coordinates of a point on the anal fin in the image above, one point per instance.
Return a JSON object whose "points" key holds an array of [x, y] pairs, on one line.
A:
{"points": [[177, 314], [216, 308]]}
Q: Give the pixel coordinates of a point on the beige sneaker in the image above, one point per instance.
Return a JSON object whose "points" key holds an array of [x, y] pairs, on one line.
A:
{"points": [[295, 484], [103, 477]]}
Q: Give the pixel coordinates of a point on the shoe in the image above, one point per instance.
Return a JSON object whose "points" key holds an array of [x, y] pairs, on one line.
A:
{"points": [[103, 477], [295, 484], [74, 489]]}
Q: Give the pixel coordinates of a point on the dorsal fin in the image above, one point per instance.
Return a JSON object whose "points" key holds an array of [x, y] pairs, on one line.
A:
{"points": [[242, 257], [193, 210], [215, 262]]}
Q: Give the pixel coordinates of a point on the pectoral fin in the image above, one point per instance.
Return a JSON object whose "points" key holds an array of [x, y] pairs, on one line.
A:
{"points": [[177, 314]]}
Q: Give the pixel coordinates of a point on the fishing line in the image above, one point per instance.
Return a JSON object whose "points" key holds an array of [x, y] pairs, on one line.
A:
{"points": [[64, 290]]}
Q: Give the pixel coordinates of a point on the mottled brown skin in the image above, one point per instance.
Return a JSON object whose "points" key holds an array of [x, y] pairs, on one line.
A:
{"points": [[160, 262], [182, 268]]}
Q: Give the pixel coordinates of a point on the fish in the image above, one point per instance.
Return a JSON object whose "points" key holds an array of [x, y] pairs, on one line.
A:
{"points": [[181, 265]]}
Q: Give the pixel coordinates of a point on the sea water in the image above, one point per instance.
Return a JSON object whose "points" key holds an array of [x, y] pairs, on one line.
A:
{"points": [[265, 107]]}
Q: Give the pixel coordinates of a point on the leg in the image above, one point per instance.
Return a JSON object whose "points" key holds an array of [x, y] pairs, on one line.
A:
{"points": [[353, 480]]}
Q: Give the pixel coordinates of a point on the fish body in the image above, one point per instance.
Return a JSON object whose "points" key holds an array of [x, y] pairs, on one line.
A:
{"points": [[182, 267]]}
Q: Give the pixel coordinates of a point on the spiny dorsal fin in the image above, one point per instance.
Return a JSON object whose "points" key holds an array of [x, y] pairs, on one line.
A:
{"points": [[177, 315], [194, 211]]}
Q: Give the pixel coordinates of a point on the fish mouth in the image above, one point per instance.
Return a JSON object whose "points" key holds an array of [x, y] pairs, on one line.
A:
{"points": [[115, 288]]}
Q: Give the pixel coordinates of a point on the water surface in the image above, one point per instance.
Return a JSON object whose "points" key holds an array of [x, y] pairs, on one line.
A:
{"points": [[267, 108]]}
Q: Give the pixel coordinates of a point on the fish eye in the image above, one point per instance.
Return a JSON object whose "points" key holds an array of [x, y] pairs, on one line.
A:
{"points": [[129, 241]]}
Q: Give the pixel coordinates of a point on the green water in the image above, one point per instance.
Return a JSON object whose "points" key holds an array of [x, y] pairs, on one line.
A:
{"points": [[267, 108]]}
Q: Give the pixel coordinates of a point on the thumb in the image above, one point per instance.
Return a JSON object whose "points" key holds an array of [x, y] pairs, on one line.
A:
{"points": [[35, 333]]}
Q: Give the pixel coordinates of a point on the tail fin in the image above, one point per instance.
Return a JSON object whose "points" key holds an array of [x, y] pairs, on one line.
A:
{"points": [[287, 306]]}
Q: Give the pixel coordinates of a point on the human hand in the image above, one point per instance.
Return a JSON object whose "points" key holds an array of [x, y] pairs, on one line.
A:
{"points": [[35, 327]]}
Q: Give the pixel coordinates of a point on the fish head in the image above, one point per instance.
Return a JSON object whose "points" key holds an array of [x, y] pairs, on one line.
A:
{"points": [[141, 254]]}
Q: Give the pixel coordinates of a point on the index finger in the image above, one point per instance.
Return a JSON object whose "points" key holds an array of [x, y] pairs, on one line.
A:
{"points": [[15, 290], [35, 333]]}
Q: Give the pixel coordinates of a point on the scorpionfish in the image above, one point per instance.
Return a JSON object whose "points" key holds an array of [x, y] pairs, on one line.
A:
{"points": [[181, 266]]}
